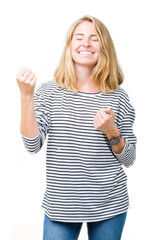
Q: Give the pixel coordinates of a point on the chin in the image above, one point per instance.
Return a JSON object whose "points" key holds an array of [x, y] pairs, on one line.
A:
{"points": [[87, 63]]}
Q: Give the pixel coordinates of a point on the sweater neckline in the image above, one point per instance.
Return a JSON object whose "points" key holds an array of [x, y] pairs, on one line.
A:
{"points": [[89, 94]]}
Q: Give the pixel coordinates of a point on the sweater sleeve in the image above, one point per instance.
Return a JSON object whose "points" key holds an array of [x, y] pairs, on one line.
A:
{"points": [[125, 121], [33, 145]]}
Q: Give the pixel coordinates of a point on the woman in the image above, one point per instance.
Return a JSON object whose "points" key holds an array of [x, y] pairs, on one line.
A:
{"points": [[88, 118]]}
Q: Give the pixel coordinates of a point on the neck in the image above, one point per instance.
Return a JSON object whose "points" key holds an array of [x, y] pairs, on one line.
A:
{"points": [[84, 77]]}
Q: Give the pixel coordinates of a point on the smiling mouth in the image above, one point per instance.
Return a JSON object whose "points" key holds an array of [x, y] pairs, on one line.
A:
{"points": [[85, 53]]}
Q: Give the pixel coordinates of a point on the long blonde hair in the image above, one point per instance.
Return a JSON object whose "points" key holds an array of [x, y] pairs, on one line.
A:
{"points": [[107, 73]]}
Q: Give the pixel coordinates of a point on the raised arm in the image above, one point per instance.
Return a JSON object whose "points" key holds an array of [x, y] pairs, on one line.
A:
{"points": [[26, 80]]}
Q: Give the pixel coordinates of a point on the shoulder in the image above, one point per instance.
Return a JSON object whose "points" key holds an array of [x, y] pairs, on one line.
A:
{"points": [[125, 105], [118, 97], [121, 92], [48, 88], [122, 95]]}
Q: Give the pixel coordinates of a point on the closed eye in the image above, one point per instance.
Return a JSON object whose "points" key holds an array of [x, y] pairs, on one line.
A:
{"points": [[94, 39], [79, 38]]}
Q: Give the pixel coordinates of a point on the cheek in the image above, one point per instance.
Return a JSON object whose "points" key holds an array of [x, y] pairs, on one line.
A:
{"points": [[98, 48], [75, 45], [73, 49]]}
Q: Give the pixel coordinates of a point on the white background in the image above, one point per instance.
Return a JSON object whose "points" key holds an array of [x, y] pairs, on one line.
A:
{"points": [[33, 36]]}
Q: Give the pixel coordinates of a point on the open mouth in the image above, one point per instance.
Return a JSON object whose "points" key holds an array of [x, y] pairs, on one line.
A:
{"points": [[84, 52]]}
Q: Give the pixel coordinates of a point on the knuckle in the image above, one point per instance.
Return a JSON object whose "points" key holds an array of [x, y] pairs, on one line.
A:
{"points": [[23, 78], [30, 71]]}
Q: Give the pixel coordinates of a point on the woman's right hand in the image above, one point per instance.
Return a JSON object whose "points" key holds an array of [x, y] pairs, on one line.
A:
{"points": [[26, 81]]}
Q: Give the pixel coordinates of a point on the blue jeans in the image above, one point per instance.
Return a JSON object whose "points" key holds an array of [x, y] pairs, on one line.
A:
{"points": [[110, 229]]}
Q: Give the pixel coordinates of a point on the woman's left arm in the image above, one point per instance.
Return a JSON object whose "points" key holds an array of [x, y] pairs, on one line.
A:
{"points": [[125, 150]]}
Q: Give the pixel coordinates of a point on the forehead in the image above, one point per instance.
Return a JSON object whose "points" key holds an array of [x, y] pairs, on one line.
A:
{"points": [[85, 27]]}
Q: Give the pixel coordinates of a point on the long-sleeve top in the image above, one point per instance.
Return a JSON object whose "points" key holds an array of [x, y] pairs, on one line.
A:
{"points": [[85, 179]]}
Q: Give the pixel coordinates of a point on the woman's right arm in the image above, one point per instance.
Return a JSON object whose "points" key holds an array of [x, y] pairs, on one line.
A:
{"points": [[26, 80]]}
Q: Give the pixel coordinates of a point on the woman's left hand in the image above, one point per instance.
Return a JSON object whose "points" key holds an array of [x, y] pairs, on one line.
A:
{"points": [[104, 121]]}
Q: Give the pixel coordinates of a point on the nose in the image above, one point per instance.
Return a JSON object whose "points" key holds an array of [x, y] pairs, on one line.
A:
{"points": [[86, 44]]}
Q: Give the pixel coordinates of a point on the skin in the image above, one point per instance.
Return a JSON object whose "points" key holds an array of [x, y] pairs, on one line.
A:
{"points": [[26, 80], [84, 41]]}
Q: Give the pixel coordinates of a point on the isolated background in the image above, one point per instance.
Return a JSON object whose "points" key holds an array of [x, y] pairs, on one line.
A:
{"points": [[33, 36]]}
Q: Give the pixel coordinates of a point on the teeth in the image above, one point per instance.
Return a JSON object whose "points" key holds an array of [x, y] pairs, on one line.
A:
{"points": [[84, 52]]}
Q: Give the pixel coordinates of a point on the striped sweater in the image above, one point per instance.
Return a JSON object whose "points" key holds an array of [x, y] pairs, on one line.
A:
{"points": [[85, 179]]}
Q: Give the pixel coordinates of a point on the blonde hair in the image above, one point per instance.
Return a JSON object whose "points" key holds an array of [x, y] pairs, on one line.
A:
{"points": [[107, 73]]}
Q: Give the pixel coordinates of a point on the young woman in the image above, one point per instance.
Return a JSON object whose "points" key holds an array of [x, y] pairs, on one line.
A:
{"points": [[88, 118]]}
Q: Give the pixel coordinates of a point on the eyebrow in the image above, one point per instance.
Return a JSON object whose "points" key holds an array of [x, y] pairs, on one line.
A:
{"points": [[92, 35]]}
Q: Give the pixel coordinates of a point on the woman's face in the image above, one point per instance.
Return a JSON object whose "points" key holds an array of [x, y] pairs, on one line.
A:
{"points": [[85, 46]]}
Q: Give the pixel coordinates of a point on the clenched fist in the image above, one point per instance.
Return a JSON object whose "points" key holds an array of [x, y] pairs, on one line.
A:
{"points": [[26, 80], [104, 121]]}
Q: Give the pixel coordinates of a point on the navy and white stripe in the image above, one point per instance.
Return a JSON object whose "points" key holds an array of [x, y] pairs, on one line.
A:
{"points": [[85, 177]]}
